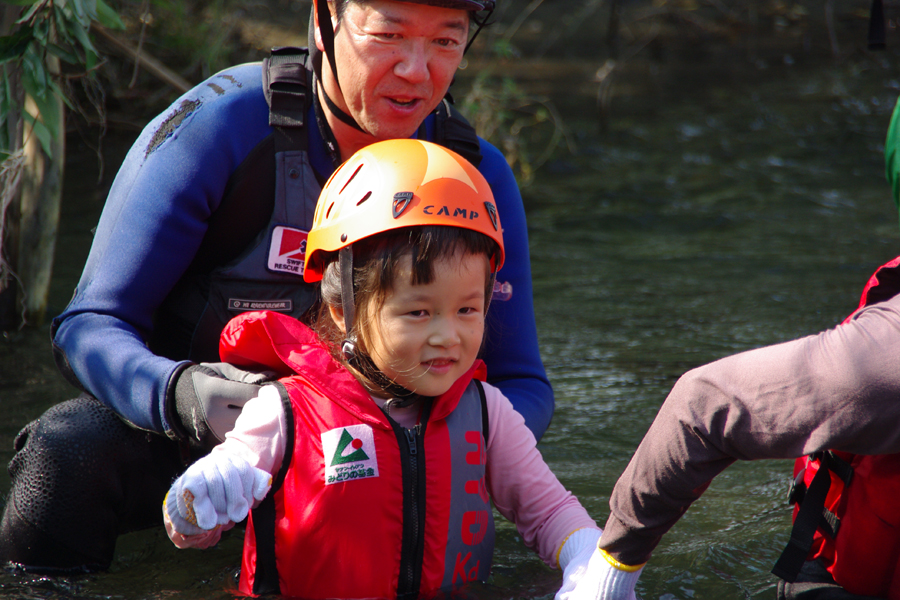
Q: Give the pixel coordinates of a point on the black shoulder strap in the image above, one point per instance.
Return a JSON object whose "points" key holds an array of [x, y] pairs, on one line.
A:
{"points": [[249, 196], [265, 580], [812, 514], [286, 84], [453, 131], [485, 425]]}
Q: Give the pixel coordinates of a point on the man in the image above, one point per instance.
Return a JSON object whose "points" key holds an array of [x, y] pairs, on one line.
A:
{"points": [[831, 396], [208, 218]]}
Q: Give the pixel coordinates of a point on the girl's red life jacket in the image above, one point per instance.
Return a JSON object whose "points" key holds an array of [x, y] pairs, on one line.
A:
{"points": [[363, 508]]}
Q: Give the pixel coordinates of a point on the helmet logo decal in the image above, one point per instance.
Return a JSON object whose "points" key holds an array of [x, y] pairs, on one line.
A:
{"points": [[492, 213], [401, 201]]}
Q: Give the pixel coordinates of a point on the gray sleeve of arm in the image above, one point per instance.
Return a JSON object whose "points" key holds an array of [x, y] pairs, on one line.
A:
{"points": [[835, 390]]}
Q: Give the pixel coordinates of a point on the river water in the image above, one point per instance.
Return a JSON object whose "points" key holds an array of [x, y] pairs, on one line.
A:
{"points": [[726, 206]]}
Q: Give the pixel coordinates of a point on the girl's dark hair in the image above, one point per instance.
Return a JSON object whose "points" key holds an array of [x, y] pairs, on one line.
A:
{"points": [[376, 263]]}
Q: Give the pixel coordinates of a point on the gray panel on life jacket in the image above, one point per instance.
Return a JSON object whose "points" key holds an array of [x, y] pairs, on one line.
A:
{"points": [[470, 537]]}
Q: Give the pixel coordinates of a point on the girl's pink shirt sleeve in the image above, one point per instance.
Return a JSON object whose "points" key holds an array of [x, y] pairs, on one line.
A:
{"points": [[522, 486]]}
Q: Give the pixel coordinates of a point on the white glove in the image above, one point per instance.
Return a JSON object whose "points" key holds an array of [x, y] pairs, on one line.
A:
{"points": [[216, 490], [589, 573]]}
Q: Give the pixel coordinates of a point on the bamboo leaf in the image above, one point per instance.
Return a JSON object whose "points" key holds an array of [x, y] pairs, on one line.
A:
{"points": [[63, 54], [34, 75], [14, 46], [62, 26], [40, 130], [36, 6], [91, 59], [80, 34], [90, 9], [107, 17], [77, 8], [48, 111]]}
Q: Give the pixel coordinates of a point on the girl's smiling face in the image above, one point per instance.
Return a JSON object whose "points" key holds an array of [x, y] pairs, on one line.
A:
{"points": [[424, 337]]}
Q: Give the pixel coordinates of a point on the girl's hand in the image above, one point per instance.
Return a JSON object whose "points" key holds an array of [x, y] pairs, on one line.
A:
{"points": [[592, 574], [219, 489]]}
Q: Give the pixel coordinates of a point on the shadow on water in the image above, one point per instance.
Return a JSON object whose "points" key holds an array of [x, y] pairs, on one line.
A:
{"points": [[741, 211]]}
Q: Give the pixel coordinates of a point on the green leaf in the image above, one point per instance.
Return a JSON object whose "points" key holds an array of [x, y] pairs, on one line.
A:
{"points": [[91, 59], [90, 9], [20, 2], [62, 26], [13, 46], [107, 17], [77, 8], [44, 136], [63, 54], [80, 34], [48, 109], [41, 32], [35, 7], [34, 75]]}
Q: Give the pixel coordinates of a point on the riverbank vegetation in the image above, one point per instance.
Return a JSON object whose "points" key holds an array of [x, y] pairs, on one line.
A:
{"points": [[538, 61]]}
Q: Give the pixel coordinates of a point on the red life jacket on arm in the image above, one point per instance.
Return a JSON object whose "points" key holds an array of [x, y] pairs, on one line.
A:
{"points": [[849, 516]]}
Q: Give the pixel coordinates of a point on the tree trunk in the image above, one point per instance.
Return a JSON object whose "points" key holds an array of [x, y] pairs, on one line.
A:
{"points": [[29, 205], [10, 176], [41, 193]]}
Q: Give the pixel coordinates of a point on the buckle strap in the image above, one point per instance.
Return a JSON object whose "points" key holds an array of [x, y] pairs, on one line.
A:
{"points": [[805, 525], [286, 87], [836, 465]]}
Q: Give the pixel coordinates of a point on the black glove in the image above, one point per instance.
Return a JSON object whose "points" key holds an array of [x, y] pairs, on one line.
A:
{"points": [[207, 399]]}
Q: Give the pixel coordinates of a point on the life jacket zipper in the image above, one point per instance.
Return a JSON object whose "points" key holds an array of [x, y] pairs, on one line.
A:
{"points": [[413, 500], [412, 551]]}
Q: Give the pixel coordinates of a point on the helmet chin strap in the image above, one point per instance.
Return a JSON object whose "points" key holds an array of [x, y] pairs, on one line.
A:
{"points": [[326, 33], [348, 303]]}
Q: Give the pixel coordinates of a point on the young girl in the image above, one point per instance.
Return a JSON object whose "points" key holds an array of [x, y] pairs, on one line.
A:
{"points": [[381, 443]]}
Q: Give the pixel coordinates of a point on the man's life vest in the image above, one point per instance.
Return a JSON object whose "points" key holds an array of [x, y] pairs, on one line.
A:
{"points": [[362, 507], [847, 514], [251, 257]]}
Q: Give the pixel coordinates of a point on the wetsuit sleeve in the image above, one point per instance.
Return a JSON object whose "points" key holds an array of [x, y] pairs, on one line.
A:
{"points": [[836, 390], [152, 224], [522, 486], [511, 345]]}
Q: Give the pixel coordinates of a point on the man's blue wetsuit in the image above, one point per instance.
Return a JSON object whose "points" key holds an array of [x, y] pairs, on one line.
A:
{"points": [[152, 225]]}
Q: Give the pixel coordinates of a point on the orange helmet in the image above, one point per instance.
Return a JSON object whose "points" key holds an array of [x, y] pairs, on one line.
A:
{"points": [[395, 184]]}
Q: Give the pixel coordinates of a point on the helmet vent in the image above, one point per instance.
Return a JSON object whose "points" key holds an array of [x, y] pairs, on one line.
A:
{"points": [[328, 212], [364, 198], [351, 178]]}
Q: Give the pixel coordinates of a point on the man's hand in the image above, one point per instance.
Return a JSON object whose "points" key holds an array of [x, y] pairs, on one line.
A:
{"points": [[207, 399]]}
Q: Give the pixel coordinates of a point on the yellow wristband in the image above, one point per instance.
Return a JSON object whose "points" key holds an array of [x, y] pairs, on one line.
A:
{"points": [[620, 566]]}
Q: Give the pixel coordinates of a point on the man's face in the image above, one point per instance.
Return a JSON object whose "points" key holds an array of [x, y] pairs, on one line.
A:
{"points": [[395, 61]]}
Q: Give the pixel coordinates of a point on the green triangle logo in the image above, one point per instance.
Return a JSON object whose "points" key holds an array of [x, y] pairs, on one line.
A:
{"points": [[348, 440]]}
